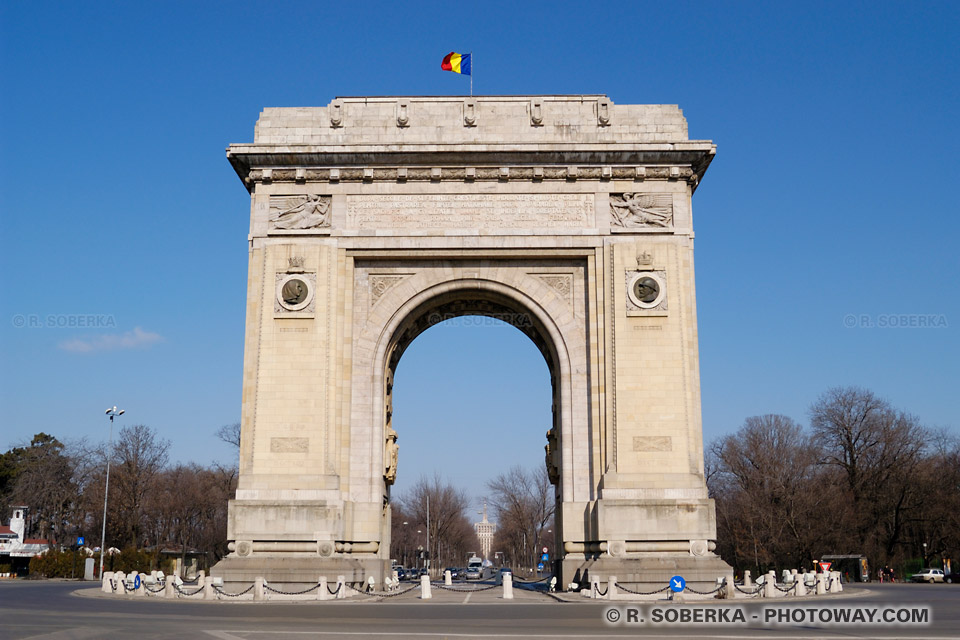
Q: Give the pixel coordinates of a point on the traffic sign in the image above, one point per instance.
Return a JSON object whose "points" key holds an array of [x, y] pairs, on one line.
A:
{"points": [[677, 584], [540, 567], [545, 550], [545, 557], [826, 566], [80, 540], [136, 581]]}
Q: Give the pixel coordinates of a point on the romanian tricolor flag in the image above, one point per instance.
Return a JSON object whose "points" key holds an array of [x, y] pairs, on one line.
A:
{"points": [[457, 63]]}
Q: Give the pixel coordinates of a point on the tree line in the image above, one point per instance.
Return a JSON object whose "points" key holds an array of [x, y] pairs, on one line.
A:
{"points": [[522, 504], [152, 504], [865, 478]]}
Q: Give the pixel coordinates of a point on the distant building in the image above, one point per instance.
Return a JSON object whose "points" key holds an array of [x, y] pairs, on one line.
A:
{"points": [[485, 530], [15, 549]]}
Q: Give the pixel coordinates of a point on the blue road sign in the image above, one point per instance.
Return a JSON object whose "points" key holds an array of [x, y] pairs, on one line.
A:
{"points": [[136, 581], [80, 540], [544, 557], [540, 567], [677, 584]]}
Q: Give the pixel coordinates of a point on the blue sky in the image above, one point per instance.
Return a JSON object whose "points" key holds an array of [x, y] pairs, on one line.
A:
{"points": [[833, 196]]}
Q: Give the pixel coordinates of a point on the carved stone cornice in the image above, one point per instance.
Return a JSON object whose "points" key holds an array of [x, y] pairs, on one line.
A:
{"points": [[469, 174]]}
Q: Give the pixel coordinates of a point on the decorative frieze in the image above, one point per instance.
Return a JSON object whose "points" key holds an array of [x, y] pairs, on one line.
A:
{"points": [[460, 174], [459, 211]]}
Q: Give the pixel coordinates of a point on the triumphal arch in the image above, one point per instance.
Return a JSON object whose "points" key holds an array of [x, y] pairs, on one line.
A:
{"points": [[374, 218]]}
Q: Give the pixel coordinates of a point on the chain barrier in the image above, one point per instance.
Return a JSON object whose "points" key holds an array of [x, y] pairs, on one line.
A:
{"points": [[185, 593], [601, 593], [113, 585], [532, 581], [291, 593], [390, 594], [749, 593], [467, 590], [704, 593], [335, 591], [642, 593], [233, 595], [788, 589], [157, 590]]}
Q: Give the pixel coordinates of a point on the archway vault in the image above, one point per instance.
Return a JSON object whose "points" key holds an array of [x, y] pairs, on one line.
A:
{"points": [[507, 290]]}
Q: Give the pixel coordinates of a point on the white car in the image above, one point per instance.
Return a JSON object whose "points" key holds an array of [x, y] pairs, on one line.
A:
{"points": [[928, 575]]}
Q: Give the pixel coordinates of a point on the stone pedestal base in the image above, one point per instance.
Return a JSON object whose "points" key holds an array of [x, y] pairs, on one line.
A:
{"points": [[291, 573], [647, 573]]}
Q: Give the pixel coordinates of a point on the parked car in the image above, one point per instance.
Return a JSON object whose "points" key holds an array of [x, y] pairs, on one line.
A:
{"points": [[474, 573], [928, 575], [401, 573], [498, 579], [454, 572]]}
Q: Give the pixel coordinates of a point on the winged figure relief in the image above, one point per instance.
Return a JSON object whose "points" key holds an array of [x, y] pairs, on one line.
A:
{"points": [[642, 209], [300, 212]]}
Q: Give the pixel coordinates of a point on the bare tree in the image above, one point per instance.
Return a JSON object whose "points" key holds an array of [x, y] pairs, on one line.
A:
{"points": [[451, 534], [761, 477], [524, 503], [230, 433], [139, 457], [877, 449]]}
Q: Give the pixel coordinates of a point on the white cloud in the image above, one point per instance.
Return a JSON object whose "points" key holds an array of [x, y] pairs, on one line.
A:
{"points": [[108, 342]]}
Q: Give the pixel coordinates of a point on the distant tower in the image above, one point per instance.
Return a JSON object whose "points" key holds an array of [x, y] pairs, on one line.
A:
{"points": [[485, 530], [18, 523]]}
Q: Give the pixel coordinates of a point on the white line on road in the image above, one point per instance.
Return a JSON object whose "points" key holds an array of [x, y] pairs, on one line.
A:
{"points": [[227, 635], [467, 599]]}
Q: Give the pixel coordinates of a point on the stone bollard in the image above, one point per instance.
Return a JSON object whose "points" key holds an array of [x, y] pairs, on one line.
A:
{"points": [[508, 586], [594, 587], [769, 585], [168, 591], [425, 588], [258, 588], [341, 587], [836, 586], [447, 578], [120, 583], [723, 590], [746, 580], [322, 593], [821, 584], [107, 577], [611, 587], [801, 582]]}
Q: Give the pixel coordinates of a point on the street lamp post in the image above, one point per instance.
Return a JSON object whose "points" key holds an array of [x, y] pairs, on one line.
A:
{"points": [[112, 412]]}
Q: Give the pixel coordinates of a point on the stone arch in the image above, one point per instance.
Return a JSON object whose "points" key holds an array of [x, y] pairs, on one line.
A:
{"points": [[518, 298]]}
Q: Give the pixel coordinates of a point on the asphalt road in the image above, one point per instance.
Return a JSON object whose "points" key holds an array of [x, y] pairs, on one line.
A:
{"points": [[54, 610]]}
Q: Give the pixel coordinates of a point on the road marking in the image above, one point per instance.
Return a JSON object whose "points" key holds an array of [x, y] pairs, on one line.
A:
{"points": [[467, 599], [228, 635]]}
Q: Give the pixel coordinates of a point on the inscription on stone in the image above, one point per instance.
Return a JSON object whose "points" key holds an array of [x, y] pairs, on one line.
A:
{"points": [[652, 443], [507, 211], [289, 445]]}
